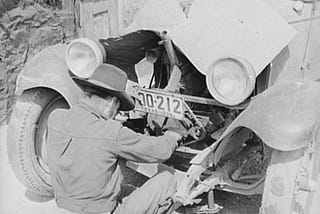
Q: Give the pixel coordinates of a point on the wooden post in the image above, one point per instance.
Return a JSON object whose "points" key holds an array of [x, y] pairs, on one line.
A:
{"points": [[99, 19]]}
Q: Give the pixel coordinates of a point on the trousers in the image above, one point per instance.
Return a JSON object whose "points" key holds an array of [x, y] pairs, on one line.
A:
{"points": [[153, 197]]}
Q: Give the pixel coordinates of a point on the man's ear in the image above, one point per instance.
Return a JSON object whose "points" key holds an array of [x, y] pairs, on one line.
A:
{"points": [[115, 103]]}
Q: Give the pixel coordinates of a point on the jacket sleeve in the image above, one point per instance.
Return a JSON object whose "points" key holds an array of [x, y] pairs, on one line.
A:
{"points": [[142, 148]]}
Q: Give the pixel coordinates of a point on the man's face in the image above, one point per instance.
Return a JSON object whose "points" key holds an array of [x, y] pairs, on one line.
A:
{"points": [[111, 107]]}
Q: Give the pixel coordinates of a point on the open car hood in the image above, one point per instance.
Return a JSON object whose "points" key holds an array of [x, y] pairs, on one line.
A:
{"points": [[249, 29]]}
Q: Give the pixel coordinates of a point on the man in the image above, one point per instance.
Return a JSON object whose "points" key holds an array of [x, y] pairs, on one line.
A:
{"points": [[86, 146]]}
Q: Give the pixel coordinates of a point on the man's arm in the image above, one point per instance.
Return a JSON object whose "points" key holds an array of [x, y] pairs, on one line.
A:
{"points": [[145, 149]]}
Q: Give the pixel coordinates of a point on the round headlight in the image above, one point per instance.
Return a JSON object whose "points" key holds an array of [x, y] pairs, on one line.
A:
{"points": [[231, 80], [83, 57]]}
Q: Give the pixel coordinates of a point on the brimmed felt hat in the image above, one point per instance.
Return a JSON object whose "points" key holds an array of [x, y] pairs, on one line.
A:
{"points": [[110, 79]]}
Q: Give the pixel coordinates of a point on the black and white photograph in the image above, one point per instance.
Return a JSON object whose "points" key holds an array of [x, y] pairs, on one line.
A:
{"points": [[159, 106]]}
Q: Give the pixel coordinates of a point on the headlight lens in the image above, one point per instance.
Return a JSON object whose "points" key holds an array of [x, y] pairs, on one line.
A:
{"points": [[231, 80], [83, 57]]}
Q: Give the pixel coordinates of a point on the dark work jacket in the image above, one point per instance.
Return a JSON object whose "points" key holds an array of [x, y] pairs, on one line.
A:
{"points": [[84, 150]]}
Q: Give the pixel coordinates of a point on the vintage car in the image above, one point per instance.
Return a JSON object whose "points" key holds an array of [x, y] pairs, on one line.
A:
{"points": [[241, 74]]}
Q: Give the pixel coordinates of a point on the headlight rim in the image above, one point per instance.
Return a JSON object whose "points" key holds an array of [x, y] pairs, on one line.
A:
{"points": [[250, 77], [98, 51]]}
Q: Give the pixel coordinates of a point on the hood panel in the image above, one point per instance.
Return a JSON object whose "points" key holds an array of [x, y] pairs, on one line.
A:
{"points": [[249, 29]]}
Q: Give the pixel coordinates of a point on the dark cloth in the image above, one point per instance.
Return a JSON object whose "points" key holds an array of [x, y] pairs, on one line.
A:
{"points": [[126, 51], [130, 48], [84, 154]]}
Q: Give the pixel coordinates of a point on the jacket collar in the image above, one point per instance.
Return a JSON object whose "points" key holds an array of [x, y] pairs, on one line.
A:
{"points": [[85, 104]]}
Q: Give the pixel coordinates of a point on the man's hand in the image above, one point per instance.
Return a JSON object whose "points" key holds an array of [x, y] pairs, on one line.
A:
{"points": [[178, 126], [174, 135], [159, 124]]}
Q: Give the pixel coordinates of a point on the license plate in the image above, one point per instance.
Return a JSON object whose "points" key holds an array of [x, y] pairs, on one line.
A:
{"points": [[160, 102]]}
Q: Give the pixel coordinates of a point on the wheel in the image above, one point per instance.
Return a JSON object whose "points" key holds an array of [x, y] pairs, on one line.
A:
{"points": [[26, 138], [288, 187]]}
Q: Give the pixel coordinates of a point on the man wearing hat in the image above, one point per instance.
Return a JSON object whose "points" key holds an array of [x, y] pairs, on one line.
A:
{"points": [[86, 146]]}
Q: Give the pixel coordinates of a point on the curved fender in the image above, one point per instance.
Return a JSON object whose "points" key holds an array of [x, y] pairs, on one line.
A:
{"points": [[284, 116], [48, 68]]}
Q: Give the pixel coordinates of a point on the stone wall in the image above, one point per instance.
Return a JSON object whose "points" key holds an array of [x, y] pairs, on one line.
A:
{"points": [[25, 31]]}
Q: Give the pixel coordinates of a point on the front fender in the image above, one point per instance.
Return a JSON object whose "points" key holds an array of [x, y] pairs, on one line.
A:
{"points": [[284, 116], [48, 69]]}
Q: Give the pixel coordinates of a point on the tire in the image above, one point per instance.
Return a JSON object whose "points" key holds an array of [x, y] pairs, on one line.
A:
{"points": [[26, 138], [284, 191]]}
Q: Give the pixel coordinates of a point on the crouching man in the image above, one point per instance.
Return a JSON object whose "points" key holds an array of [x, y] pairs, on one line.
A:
{"points": [[86, 146]]}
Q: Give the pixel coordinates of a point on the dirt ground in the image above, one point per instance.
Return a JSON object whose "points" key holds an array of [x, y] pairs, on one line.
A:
{"points": [[12, 198]]}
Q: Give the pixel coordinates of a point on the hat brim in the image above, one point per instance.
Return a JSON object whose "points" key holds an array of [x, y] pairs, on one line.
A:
{"points": [[126, 102]]}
